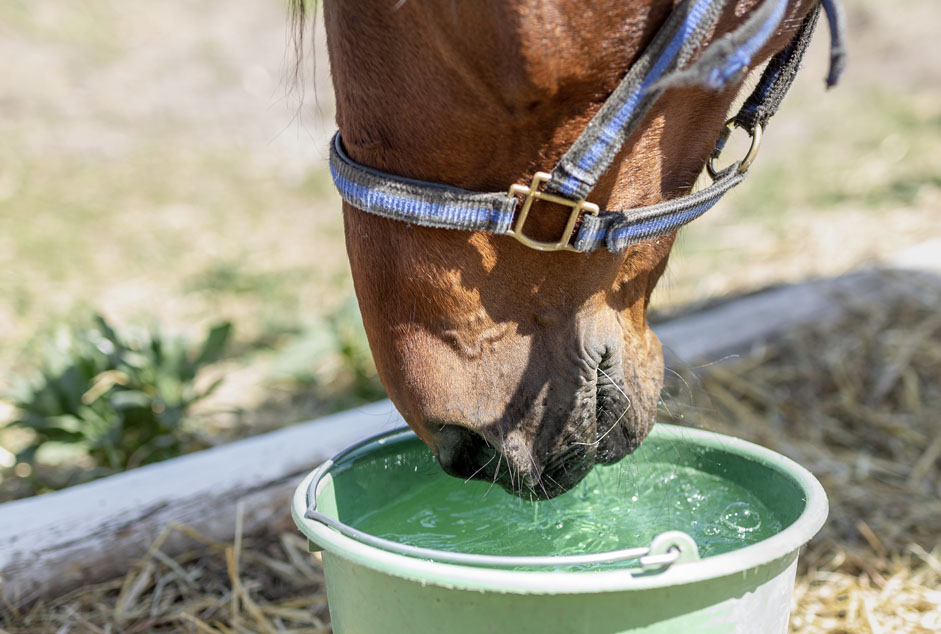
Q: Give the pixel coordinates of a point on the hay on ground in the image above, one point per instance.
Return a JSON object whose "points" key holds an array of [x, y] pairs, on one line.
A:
{"points": [[859, 404], [254, 585]]}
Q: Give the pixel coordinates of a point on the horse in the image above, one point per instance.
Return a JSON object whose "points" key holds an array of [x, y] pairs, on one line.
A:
{"points": [[522, 366]]}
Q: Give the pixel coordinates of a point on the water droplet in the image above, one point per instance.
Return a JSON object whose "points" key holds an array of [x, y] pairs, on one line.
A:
{"points": [[740, 516], [711, 530]]}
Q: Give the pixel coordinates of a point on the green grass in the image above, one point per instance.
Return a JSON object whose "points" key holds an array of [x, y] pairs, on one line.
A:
{"points": [[203, 228], [843, 177]]}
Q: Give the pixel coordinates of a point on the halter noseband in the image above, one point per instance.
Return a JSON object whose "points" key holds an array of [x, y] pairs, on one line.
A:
{"points": [[663, 64]]}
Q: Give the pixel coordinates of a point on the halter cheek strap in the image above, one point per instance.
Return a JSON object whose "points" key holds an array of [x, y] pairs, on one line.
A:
{"points": [[664, 63]]}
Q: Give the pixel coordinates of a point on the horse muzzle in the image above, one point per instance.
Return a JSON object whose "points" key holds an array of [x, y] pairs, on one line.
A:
{"points": [[546, 449]]}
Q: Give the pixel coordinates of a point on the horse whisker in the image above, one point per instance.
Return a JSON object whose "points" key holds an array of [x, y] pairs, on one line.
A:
{"points": [[616, 386], [482, 467], [615, 423], [689, 390], [496, 472], [539, 478]]}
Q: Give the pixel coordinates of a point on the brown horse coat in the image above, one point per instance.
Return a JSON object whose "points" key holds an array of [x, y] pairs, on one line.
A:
{"points": [[512, 364]]}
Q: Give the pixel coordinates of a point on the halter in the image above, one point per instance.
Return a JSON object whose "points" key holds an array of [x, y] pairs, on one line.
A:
{"points": [[663, 64]]}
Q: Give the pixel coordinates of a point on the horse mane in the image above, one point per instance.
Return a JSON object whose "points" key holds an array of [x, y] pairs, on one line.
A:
{"points": [[298, 12]]}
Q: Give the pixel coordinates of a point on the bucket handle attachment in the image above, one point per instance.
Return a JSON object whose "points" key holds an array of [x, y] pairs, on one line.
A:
{"points": [[670, 547], [666, 549]]}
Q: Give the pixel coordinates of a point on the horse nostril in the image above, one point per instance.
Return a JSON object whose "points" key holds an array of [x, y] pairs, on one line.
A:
{"points": [[462, 452]]}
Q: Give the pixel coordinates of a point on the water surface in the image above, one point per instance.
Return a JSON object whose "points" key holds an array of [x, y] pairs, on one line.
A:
{"points": [[614, 507]]}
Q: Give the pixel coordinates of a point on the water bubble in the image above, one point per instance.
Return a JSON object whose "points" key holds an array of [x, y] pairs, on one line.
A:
{"points": [[741, 517], [711, 530]]}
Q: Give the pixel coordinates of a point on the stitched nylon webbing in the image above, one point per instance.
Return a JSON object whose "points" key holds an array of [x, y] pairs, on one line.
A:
{"points": [[836, 17], [417, 202], [430, 205], [618, 229], [727, 59], [724, 61], [777, 77]]}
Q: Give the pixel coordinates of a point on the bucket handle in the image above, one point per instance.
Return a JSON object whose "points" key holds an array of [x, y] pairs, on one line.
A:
{"points": [[665, 550]]}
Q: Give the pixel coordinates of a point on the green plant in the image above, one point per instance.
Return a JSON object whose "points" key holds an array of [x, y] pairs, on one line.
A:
{"points": [[119, 398]]}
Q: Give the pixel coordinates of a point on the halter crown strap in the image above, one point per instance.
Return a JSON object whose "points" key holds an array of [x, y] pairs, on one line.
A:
{"points": [[592, 153], [659, 67]]}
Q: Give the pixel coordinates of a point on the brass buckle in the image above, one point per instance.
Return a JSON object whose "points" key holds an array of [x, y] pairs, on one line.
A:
{"points": [[749, 157], [532, 193]]}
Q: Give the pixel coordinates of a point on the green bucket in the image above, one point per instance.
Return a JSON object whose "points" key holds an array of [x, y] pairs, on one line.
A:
{"points": [[377, 585]]}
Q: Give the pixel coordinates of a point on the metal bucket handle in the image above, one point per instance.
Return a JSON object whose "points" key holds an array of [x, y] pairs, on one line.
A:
{"points": [[666, 549]]}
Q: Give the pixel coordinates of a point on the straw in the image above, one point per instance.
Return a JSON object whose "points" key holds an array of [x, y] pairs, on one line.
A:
{"points": [[859, 404], [250, 585]]}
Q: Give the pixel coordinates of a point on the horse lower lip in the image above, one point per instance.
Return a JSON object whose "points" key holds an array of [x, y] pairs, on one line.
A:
{"points": [[543, 489]]}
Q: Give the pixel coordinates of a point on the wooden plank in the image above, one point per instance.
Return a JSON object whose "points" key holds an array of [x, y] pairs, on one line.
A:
{"points": [[732, 326], [55, 542]]}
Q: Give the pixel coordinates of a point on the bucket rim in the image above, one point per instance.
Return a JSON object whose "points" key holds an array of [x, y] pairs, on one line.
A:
{"points": [[767, 551]]}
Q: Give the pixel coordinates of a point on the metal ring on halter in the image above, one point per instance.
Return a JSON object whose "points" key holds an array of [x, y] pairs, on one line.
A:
{"points": [[666, 549], [746, 162]]}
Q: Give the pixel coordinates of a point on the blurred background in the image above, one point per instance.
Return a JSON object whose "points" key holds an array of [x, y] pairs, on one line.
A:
{"points": [[168, 228]]}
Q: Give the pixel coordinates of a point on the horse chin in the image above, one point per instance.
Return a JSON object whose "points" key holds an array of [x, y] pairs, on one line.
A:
{"points": [[611, 429]]}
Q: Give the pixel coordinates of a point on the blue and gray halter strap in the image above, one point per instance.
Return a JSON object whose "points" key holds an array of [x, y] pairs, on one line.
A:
{"points": [[665, 63]]}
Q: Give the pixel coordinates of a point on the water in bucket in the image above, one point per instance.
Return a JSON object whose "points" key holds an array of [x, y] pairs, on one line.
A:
{"points": [[614, 507]]}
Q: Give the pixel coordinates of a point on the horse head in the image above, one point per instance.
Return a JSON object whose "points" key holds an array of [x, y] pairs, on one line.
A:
{"points": [[512, 364]]}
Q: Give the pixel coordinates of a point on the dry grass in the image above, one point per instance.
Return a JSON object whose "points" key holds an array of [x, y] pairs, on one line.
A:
{"points": [[263, 585], [856, 402]]}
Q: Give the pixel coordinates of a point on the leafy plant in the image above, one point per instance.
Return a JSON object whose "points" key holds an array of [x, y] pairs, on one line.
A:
{"points": [[119, 398]]}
